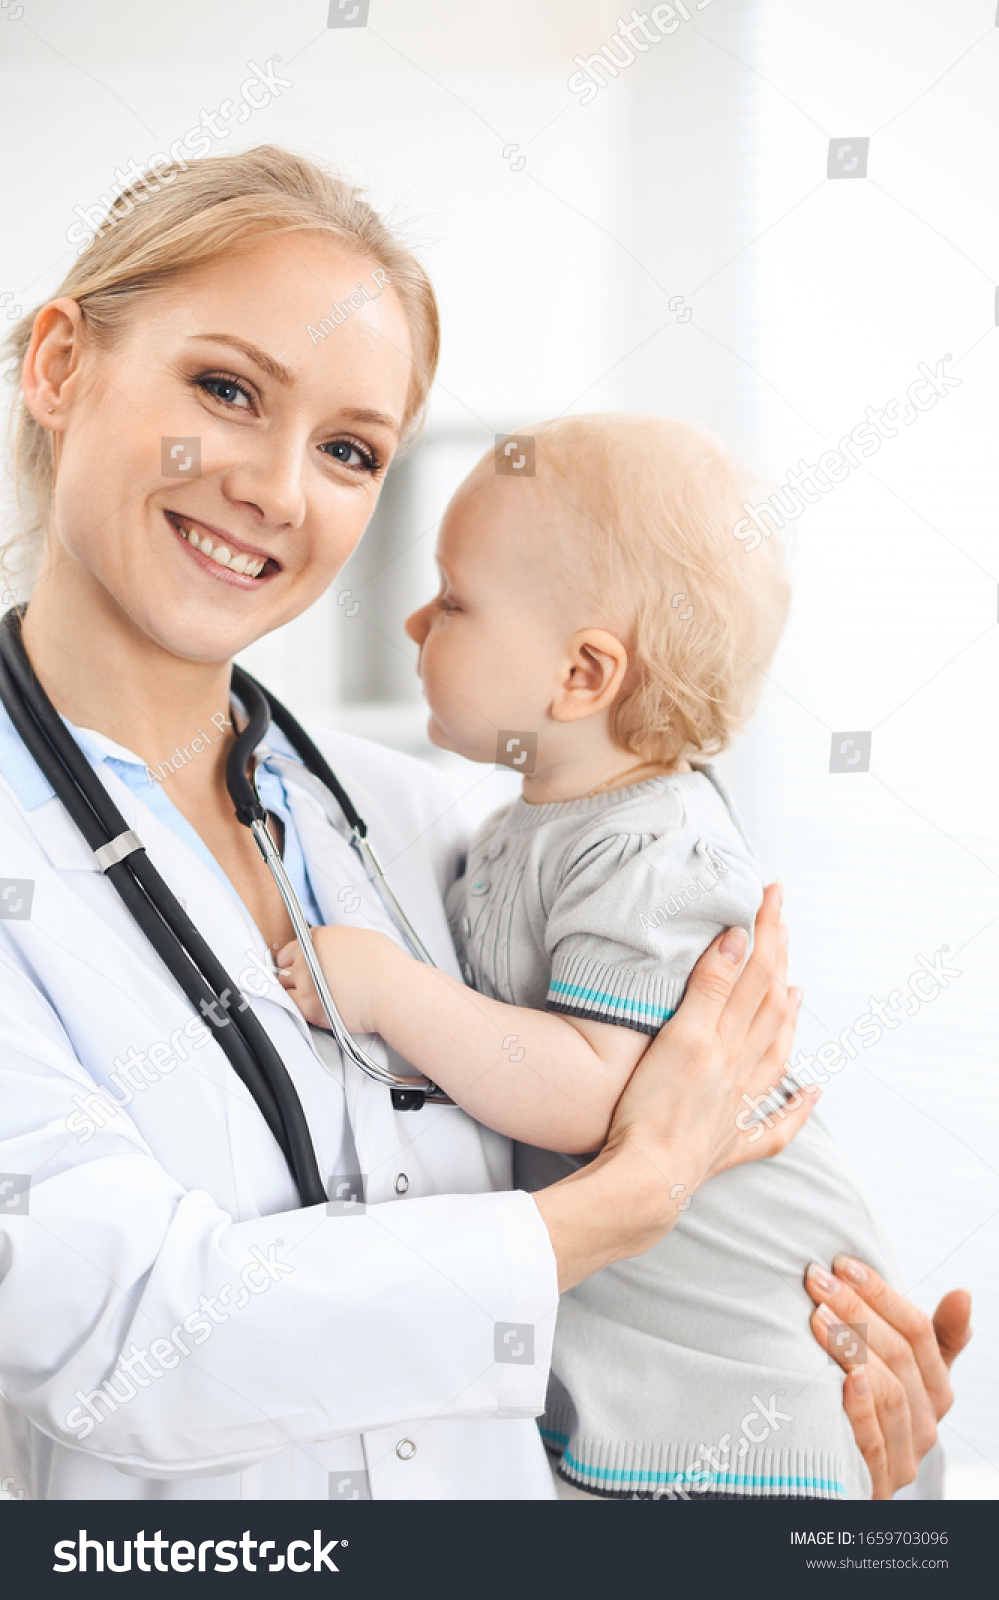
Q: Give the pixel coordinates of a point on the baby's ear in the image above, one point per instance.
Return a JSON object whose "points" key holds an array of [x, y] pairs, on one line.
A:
{"points": [[593, 671]]}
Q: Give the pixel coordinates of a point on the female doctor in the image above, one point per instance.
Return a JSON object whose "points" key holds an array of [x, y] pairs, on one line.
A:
{"points": [[197, 459]]}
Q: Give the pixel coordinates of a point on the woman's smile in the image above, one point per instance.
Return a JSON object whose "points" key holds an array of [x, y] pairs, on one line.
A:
{"points": [[220, 554]]}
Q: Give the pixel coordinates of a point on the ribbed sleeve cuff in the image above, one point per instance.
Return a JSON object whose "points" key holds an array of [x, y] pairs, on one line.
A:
{"points": [[640, 999]]}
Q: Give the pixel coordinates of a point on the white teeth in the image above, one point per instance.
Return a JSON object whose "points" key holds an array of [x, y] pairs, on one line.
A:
{"points": [[252, 566]]}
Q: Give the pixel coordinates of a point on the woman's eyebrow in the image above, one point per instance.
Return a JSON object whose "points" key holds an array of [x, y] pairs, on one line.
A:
{"points": [[360, 414], [281, 375], [273, 368]]}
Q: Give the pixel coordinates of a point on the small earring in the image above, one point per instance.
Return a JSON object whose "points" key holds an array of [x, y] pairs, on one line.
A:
{"points": [[50, 410]]}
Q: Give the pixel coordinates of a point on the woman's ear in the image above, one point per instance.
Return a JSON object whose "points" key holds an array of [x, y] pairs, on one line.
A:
{"points": [[595, 666], [52, 359]]}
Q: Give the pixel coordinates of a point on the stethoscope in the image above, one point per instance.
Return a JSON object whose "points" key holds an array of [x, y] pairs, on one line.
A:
{"points": [[122, 858]]}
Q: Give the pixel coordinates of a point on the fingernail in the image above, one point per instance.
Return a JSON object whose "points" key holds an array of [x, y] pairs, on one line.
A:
{"points": [[820, 1278], [848, 1268], [795, 996], [825, 1315], [860, 1383], [733, 946], [779, 882]]}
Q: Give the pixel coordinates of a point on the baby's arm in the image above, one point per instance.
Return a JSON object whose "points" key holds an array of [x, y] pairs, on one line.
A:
{"points": [[546, 1079]]}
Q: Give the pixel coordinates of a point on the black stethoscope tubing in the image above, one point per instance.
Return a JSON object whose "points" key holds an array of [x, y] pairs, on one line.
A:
{"points": [[153, 905]]}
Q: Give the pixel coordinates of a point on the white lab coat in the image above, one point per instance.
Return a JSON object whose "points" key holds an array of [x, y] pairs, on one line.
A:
{"points": [[337, 1338]]}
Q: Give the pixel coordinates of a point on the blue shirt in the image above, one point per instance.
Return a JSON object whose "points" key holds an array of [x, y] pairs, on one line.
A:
{"points": [[33, 789]]}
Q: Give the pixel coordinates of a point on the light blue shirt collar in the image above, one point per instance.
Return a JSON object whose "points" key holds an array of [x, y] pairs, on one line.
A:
{"points": [[33, 789]]}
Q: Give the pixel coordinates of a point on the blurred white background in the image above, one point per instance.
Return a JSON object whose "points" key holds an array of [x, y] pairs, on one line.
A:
{"points": [[566, 240]]}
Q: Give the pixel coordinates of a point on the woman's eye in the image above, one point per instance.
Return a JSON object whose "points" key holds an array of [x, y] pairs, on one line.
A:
{"points": [[348, 454], [227, 390]]}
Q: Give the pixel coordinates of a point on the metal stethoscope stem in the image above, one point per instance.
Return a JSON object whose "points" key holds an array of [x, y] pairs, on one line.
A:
{"points": [[303, 933]]}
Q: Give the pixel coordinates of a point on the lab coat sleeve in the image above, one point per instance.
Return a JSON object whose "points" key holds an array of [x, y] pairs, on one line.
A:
{"points": [[139, 1322]]}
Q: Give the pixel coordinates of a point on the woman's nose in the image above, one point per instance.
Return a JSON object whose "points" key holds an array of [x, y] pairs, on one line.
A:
{"points": [[271, 481]]}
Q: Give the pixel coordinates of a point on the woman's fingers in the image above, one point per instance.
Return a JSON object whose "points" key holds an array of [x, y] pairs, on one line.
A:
{"points": [[856, 1322], [711, 982], [765, 970], [771, 1038], [889, 1442], [914, 1326], [952, 1324], [770, 1135], [858, 1402], [878, 1408]]}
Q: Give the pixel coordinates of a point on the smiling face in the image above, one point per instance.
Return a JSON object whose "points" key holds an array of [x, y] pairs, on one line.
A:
{"points": [[295, 437]]}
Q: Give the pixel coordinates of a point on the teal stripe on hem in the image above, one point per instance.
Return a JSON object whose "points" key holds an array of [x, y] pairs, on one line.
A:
{"points": [[660, 1013], [741, 1480], [556, 1438]]}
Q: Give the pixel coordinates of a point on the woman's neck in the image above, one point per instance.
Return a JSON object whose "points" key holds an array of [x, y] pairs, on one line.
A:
{"points": [[102, 672]]}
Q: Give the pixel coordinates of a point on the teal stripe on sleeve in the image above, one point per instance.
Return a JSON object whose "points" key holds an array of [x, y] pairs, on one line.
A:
{"points": [[576, 991]]}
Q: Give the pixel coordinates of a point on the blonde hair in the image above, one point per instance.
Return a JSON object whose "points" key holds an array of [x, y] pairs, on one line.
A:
{"points": [[178, 216], [701, 614]]}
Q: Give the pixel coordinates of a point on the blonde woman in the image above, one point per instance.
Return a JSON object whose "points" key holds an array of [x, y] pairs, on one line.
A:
{"points": [[172, 1322]]}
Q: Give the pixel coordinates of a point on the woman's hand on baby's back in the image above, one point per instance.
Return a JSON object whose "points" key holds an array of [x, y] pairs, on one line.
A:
{"points": [[897, 1361], [723, 1051]]}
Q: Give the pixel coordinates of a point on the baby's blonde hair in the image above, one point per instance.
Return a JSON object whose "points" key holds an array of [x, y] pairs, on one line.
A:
{"points": [[180, 215], [654, 502]]}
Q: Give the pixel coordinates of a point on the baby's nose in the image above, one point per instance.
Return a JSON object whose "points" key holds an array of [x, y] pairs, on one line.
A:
{"points": [[416, 625]]}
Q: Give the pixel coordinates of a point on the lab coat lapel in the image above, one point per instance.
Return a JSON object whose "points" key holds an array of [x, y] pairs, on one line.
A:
{"points": [[216, 911]]}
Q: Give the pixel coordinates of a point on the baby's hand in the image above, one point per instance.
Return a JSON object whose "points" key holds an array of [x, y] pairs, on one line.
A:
{"points": [[355, 961]]}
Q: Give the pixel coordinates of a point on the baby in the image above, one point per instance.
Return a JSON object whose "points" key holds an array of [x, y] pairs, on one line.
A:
{"points": [[600, 621]]}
